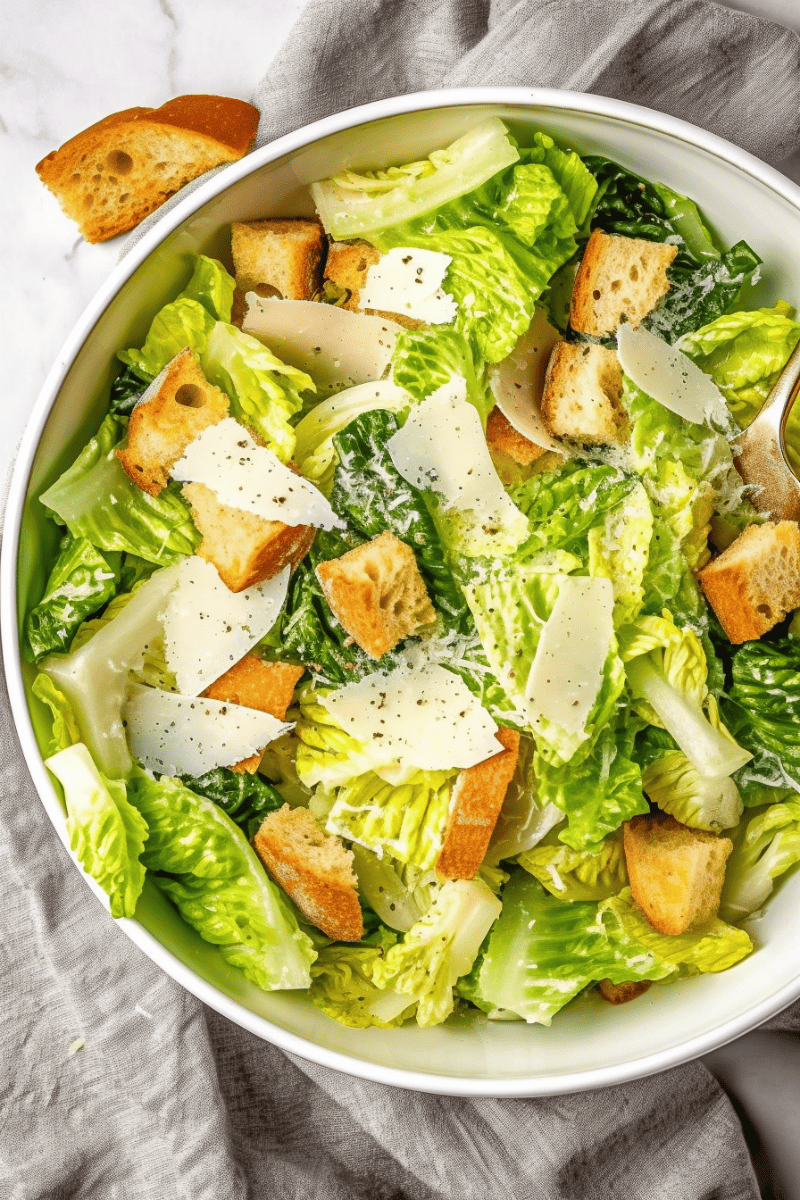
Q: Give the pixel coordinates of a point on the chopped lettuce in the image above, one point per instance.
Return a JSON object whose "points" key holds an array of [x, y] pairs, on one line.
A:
{"points": [[405, 821], [440, 948], [66, 730], [766, 686], [619, 550], [97, 502], [699, 296], [677, 787], [342, 987], [766, 845], [562, 506], [426, 359], [578, 875], [106, 833], [246, 798], [713, 947], [207, 868], [399, 893], [315, 453], [82, 581]]}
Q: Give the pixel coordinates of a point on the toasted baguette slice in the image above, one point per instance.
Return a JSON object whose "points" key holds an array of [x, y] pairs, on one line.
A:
{"points": [[244, 548], [582, 394], [314, 869], [622, 993], [112, 175], [475, 805], [503, 437], [347, 265], [377, 593], [676, 873], [618, 277], [177, 406], [267, 686], [755, 583], [281, 255]]}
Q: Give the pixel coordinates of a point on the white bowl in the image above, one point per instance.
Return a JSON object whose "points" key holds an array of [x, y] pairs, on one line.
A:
{"points": [[591, 1044]]}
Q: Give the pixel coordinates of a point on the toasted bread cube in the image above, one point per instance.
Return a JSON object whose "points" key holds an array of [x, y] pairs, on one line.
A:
{"points": [[267, 686], [244, 548], [676, 873], [622, 993], [503, 437], [477, 798], [315, 869], [755, 583], [347, 265], [618, 277], [177, 406], [282, 255], [377, 593], [582, 397]]}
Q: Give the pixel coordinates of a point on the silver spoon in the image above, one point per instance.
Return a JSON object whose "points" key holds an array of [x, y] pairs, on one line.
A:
{"points": [[761, 457]]}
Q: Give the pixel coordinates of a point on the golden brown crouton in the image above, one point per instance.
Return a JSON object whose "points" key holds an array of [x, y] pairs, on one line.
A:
{"points": [[284, 254], [315, 869], [377, 593], [622, 993], [755, 583], [347, 265], [177, 406], [502, 436], [478, 796], [244, 548], [267, 686], [618, 277], [676, 873], [582, 397]]}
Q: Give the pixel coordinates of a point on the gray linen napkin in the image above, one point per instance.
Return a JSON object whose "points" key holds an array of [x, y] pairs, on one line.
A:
{"points": [[167, 1099]]}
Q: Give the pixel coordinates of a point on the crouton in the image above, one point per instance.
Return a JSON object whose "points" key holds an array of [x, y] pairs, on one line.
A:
{"points": [[622, 993], [267, 686], [504, 438], [755, 583], [177, 406], [582, 397], [618, 277], [315, 869], [244, 548], [377, 593], [280, 256], [676, 873], [477, 798], [110, 176], [347, 265]]}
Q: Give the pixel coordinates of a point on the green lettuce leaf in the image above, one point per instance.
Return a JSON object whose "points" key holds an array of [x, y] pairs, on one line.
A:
{"points": [[126, 390], [427, 359], [246, 798], [700, 296], [66, 730], [315, 453], [678, 788], [342, 987], [524, 819], [766, 845], [97, 502], [619, 550], [711, 948], [578, 875], [764, 779], [208, 869], [562, 506], [81, 581], [106, 834], [766, 686]]}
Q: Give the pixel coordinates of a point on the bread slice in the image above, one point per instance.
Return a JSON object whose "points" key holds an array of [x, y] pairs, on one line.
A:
{"points": [[244, 548], [377, 593], [115, 173], [622, 993], [755, 583], [503, 437], [315, 869], [347, 266], [618, 277], [280, 256], [266, 686], [582, 397], [177, 406], [676, 873], [477, 798]]}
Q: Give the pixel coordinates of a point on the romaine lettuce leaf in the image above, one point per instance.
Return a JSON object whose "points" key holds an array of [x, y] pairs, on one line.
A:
{"points": [[765, 845], [126, 390], [701, 295], [106, 834], [97, 501], [342, 987], [523, 820], [763, 780], [81, 581], [766, 686], [426, 359], [210, 872], [315, 453], [66, 730], [677, 787], [713, 947], [578, 875], [246, 798], [619, 550], [563, 505]]}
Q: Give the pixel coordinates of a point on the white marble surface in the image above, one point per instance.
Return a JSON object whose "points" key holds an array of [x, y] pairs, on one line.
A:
{"points": [[63, 66]]}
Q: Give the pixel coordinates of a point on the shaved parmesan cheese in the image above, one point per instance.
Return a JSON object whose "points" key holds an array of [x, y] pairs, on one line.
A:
{"points": [[517, 383], [337, 348], [410, 281], [208, 628], [442, 447], [185, 735], [668, 376], [419, 715], [227, 459], [567, 671]]}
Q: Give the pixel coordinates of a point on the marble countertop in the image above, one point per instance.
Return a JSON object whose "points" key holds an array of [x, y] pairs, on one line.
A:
{"points": [[66, 66]]}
